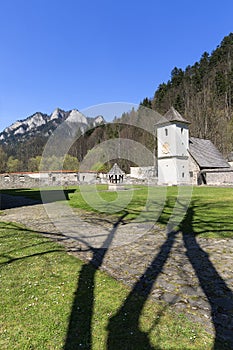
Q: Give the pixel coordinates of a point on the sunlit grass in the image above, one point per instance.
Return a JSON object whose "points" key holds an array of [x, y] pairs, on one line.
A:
{"points": [[211, 207], [38, 286], [39, 281]]}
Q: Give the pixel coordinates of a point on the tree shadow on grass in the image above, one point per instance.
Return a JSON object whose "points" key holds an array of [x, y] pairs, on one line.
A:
{"points": [[19, 251], [79, 332], [124, 329], [219, 295]]}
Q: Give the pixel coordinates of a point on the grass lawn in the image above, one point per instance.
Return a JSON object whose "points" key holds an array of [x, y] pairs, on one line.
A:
{"points": [[209, 215], [42, 287], [211, 208], [52, 300]]}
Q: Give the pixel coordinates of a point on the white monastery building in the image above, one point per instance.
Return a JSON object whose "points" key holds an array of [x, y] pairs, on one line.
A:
{"points": [[185, 160]]}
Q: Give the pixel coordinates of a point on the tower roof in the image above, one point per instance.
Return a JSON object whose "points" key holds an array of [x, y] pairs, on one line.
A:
{"points": [[173, 115]]}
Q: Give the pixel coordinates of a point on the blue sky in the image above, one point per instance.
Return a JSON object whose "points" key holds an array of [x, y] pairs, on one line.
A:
{"points": [[76, 53]]}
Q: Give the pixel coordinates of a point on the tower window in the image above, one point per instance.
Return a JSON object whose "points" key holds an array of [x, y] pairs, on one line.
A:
{"points": [[182, 174], [166, 132], [182, 129]]}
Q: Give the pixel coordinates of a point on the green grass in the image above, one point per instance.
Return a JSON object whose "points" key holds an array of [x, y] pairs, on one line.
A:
{"points": [[52, 300], [42, 287], [139, 203], [209, 213]]}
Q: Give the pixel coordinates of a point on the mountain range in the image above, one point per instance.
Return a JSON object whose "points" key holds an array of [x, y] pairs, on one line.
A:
{"points": [[43, 125]]}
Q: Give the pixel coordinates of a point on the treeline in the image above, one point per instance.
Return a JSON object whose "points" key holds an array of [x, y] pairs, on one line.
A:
{"points": [[28, 155], [11, 164], [203, 94], [89, 144]]}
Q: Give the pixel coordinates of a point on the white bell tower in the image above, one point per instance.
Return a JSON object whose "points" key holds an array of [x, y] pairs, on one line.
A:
{"points": [[173, 144]]}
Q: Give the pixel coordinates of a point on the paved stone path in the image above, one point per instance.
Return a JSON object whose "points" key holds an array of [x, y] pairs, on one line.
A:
{"points": [[192, 274]]}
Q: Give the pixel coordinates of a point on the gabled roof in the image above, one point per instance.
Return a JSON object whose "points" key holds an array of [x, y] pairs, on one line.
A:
{"points": [[116, 170], [206, 154]]}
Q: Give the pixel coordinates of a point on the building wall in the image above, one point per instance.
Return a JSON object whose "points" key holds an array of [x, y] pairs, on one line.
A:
{"points": [[183, 176], [173, 158], [173, 171], [182, 140], [166, 140], [173, 140], [219, 178], [194, 170]]}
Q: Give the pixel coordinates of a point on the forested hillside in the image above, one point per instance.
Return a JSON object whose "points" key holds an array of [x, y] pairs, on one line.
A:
{"points": [[203, 94]]}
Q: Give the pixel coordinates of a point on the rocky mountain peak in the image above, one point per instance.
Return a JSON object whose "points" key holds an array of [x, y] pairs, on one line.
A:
{"points": [[43, 125]]}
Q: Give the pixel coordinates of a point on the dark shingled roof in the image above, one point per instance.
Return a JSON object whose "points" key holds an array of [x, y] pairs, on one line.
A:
{"points": [[206, 154], [116, 170], [173, 116]]}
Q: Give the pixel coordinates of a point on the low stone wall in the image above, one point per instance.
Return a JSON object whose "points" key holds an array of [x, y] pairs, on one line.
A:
{"points": [[91, 177], [31, 180], [219, 178], [147, 172]]}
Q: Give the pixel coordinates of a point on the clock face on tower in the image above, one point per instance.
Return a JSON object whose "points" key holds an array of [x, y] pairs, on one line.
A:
{"points": [[165, 148]]}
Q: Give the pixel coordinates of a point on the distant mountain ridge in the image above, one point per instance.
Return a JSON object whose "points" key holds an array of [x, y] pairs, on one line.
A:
{"points": [[43, 125]]}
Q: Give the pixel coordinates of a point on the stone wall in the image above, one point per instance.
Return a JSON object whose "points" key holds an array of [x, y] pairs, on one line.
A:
{"points": [[91, 177], [143, 172], [137, 175], [194, 171], [219, 178], [31, 180]]}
